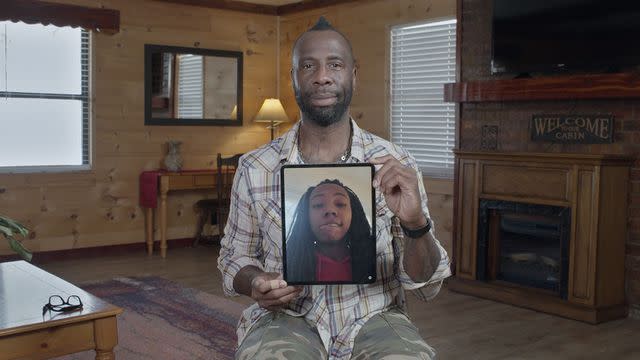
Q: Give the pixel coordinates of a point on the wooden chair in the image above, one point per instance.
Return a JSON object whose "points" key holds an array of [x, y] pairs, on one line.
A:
{"points": [[220, 205]]}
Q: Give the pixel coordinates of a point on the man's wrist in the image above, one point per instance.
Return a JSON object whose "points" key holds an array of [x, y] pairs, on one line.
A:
{"points": [[244, 279], [418, 223], [416, 230]]}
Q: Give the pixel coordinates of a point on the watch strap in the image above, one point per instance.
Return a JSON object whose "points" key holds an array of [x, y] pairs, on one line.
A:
{"points": [[416, 233]]}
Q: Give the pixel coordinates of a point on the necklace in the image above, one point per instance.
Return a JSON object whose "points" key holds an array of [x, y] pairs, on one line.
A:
{"points": [[343, 158]]}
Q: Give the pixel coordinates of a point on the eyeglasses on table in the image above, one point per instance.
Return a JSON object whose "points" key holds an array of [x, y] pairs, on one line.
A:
{"points": [[58, 304]]}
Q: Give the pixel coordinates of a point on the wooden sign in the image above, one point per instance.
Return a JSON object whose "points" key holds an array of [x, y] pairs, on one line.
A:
{"points": [[574, 129]]}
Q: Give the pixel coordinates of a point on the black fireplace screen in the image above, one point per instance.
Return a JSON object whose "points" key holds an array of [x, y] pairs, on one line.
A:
{"points": [[524, 244]]}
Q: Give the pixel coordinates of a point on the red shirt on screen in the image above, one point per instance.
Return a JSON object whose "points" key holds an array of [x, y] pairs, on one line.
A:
{"points": [[328, 269]]}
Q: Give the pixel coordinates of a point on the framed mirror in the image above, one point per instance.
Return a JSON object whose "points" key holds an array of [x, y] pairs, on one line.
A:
{"points": [[192, 86]]}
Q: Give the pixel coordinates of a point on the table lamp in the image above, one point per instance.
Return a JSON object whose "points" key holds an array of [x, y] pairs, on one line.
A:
{"points": [[273, 113], [234, 113]]}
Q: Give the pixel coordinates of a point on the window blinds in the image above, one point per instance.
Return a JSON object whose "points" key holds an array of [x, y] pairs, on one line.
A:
{"points": [[84, 74], [423, 59], [190, 86]]}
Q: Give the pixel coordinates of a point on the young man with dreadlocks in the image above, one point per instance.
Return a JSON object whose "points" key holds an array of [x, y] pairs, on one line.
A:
{"points": [[330, 238]]}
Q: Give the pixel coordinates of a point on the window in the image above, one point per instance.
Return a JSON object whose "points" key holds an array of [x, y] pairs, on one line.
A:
{"points": [[190, 86], [44, 97], [423, 58]]}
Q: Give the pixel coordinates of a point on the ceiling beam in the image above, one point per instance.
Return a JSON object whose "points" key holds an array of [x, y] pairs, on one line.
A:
{"points": [[309, 5], [229, 5], [237, 5]]}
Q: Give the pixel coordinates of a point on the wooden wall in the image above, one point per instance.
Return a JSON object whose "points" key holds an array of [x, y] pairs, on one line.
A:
{"points": [[367, 25], [512, 120], [100, 206]]}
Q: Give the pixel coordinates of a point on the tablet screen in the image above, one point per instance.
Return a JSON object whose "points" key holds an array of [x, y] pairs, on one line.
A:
{"points": [[328, 222]]}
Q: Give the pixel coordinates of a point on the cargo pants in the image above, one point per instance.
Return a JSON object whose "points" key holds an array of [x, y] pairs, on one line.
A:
{"points": [[388, 335]]}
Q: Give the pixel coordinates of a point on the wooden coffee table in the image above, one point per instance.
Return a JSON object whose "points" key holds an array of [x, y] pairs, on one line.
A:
{"points": [[25, 333]]}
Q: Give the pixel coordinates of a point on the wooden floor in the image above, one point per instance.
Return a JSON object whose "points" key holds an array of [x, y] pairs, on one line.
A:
{"points": [[458, 326]]}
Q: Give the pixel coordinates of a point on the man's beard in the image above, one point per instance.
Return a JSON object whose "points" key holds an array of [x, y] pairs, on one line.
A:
{"points": [[323, 115]]}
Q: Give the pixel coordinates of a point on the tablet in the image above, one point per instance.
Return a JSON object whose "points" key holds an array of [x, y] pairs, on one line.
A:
{"points": [[328, 224]]}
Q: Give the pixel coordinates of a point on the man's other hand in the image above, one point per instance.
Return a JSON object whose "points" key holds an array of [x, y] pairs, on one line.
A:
{"points": [[271, 292], [399, 184]]}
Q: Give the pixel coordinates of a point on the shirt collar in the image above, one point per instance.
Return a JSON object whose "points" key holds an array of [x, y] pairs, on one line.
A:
{"points": [[289, 151]]}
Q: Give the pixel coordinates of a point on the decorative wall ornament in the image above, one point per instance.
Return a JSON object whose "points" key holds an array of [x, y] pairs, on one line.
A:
{"points": [[489, 138]]}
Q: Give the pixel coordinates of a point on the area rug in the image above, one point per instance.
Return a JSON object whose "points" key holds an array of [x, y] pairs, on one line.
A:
{"points": [[164, 320]]}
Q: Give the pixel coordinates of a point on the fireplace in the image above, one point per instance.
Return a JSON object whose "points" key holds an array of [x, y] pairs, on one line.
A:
{"points": [[544, 231], [524, 244]]}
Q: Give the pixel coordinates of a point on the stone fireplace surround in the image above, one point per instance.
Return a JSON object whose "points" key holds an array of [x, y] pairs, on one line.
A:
{"points": [[594, 187]]}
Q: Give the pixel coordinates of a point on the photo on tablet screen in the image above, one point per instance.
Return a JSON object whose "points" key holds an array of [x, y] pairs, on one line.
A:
{"points": [[328, 222]]}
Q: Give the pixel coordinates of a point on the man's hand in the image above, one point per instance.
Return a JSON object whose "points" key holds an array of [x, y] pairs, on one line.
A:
{"points": [[399, 184], [271, 292]]}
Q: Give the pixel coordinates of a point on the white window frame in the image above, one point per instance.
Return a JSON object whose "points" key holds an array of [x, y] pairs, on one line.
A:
{"points": [[85, 96], [422, 60]]}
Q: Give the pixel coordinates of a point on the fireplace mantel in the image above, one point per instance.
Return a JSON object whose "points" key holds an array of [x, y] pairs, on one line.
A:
{"points": [[594, 187], [572, 87]]}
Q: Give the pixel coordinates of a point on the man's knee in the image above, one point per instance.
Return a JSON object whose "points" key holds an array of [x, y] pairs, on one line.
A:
{"points": [[390, 335], [281, 336]]}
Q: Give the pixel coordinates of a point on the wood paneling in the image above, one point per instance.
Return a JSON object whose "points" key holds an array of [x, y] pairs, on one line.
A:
{"points": [[440, 193], [100, 207]]}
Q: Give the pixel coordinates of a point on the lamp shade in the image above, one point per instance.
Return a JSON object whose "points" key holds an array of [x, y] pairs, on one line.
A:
{"points": [[271, 112]]}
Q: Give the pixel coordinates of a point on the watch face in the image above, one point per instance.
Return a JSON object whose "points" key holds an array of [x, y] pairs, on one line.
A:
{"points": [[328, 218]]}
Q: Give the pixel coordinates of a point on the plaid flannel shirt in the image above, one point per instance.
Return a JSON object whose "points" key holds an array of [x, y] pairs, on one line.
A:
{"points": [[253, 236]]}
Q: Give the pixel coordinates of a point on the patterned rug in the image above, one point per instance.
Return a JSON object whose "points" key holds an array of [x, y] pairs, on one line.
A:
{"points": [[163, 320]]}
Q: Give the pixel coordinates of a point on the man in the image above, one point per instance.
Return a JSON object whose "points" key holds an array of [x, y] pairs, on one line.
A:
{"points": [[333, 321]]}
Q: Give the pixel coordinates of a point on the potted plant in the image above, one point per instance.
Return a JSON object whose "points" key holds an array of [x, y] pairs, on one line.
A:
{"points": [[10, 228]]}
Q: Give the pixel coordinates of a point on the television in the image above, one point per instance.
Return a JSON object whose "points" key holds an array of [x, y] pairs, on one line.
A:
{"points": [[542, 37]]}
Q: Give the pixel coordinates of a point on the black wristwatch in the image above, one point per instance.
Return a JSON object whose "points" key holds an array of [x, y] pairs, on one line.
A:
{"points": [[416, 233]]}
